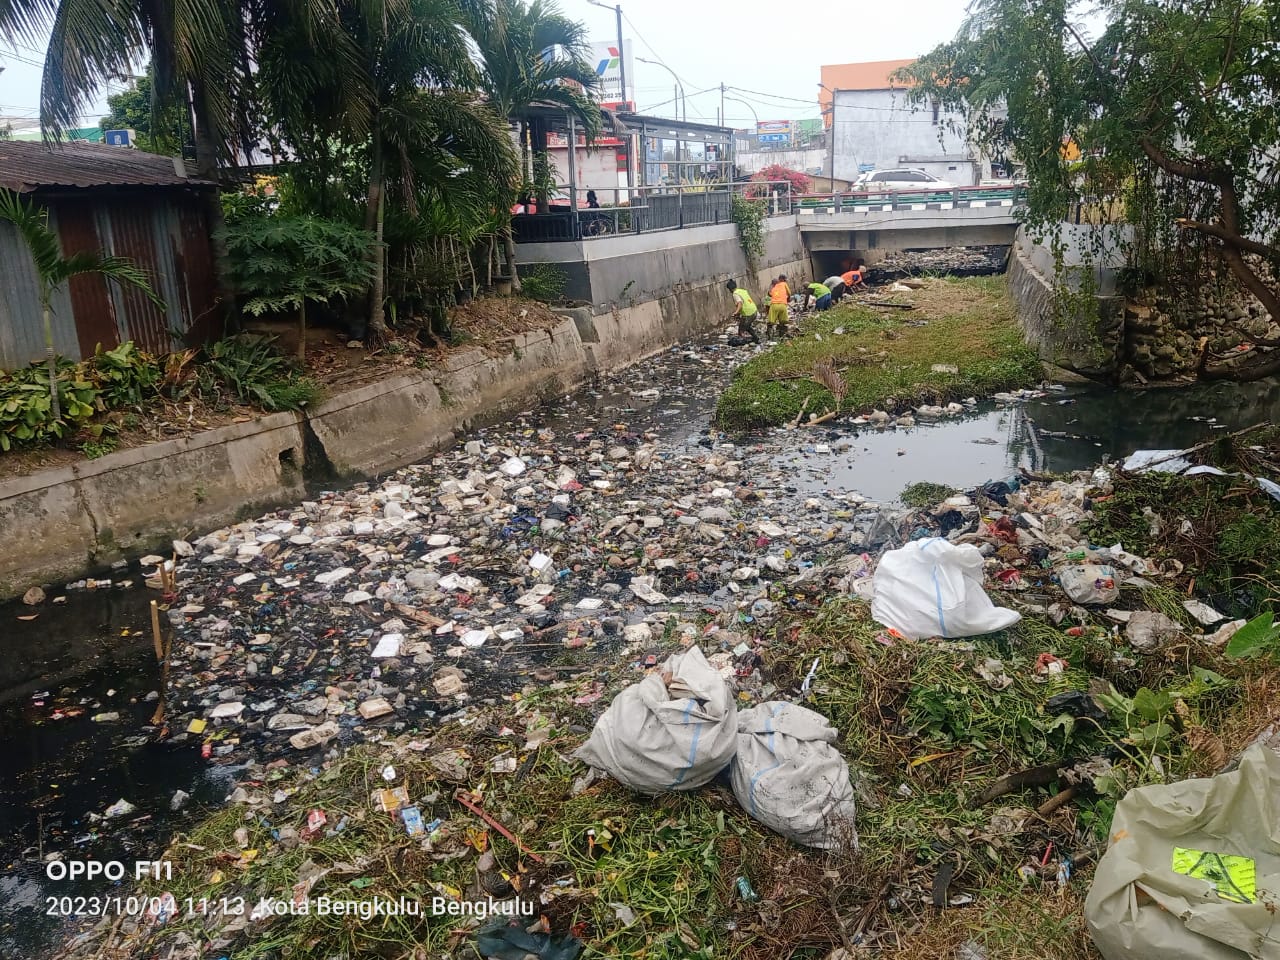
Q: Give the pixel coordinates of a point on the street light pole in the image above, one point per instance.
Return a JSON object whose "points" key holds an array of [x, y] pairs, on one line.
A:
{"points": [[683, 112], [622, 71], [748, 106], [831, 137]]}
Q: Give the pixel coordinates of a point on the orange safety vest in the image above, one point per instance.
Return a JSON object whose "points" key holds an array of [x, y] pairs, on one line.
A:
{"points": [[779, 293]]}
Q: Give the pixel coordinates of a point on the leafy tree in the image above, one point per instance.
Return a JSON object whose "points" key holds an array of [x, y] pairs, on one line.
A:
{"points": [[282, 263], [1173, 106], [53, 269], [393, 75], [135, 109]]}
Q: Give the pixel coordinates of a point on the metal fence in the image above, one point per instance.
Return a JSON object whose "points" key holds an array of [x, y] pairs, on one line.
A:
{"points": [[883, 200], [645, 210]]}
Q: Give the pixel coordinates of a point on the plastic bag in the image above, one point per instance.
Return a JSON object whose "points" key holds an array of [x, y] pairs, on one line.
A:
{"points": [[1090, 583], [1192, 869], [656, 737], [933, 588], [788, 775]]}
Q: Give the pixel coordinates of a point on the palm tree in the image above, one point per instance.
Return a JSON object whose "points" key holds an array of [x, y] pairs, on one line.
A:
{"points": [[53, 270], [395, 75], [517, 42], [533, 54]]}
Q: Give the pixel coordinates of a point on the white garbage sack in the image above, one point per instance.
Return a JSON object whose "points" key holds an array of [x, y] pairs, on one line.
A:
{"points": [[933, 588], [788, 775], [674, 735], [1193, 869]]}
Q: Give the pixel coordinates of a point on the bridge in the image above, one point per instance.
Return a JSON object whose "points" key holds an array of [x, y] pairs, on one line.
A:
{"points": [[908, 219]]}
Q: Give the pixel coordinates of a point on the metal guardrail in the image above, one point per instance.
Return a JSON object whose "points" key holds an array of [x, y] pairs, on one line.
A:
{"points": [[956, 198], [646, 210]]}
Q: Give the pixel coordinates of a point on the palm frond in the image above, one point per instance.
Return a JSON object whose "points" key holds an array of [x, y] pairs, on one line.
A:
{"points": [[92, 42], [32, 224], [119, 269]]}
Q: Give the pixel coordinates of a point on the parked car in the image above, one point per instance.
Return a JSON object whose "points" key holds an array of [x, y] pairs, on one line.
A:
{"points": [[902, 179]]}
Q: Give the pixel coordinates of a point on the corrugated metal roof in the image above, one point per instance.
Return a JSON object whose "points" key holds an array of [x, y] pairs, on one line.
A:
{"points": [[31, 166]]}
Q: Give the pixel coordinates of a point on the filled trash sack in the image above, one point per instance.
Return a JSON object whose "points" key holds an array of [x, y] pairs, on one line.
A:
{"points": [[788, 775], [674, 730], [1193, 869], [933, 588]]}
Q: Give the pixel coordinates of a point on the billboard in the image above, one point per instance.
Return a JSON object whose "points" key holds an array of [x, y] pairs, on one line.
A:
{"points": [[773, 131], [608, 63]]}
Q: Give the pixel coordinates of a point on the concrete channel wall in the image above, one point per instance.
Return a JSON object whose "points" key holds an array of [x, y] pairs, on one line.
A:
{"points": [[1081, 331], [59, 524]]}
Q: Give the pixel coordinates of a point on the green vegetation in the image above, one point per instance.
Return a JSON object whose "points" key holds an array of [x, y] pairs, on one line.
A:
{"points": [[925, 494], [109, 390], [883, 356], [1158, 114], [545, 282], [748, 215], [53, 270], [1234, 552], [281, 263]]}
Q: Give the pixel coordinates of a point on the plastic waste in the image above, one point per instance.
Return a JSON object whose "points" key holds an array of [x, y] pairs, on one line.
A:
{"points": [[1190, 867], [933, 588], [667, 735], [788, 775], [1088, 583]]}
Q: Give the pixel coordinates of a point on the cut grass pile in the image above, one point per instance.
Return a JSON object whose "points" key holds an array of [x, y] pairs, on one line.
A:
{"points": [[887, 356]]}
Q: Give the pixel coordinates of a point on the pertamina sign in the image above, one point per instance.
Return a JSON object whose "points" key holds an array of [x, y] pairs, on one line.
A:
{"points": [[607, 60]]}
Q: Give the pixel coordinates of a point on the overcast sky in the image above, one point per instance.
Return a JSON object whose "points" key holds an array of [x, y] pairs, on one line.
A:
{"points": [[773, 49]]}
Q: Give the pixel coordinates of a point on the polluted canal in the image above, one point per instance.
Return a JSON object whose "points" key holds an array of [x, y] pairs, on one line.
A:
{"points": [[361, 614]]}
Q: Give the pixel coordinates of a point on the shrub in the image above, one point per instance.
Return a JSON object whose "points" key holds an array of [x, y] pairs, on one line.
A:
{"points": [[251, 368], [543, 281]]}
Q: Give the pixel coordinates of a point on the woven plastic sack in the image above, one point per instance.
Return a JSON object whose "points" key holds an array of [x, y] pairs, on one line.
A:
{"points": [[788, 775], [933, 588], [657, 737], [1193, 869]]}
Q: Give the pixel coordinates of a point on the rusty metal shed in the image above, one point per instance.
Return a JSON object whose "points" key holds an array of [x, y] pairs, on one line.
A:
{"points": [[117, 202]]}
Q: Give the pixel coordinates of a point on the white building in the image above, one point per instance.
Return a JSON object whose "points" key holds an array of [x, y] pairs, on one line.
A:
{"points": [[875, 128]]}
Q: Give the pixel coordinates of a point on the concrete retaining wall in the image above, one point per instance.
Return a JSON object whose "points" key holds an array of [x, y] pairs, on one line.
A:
{"points": [[59, 524], [1084, 334]]}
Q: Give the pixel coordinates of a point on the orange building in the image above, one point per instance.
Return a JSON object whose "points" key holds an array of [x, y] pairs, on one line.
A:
{"points": [[872, 75]]}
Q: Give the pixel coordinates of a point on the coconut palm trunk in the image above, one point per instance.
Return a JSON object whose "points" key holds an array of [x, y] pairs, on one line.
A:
{"points": [[374, 219]]}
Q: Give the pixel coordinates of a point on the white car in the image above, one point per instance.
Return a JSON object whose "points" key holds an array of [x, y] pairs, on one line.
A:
{"points": [[902, 179]]}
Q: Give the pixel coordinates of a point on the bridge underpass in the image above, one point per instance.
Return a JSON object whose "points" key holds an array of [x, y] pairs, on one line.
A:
{"points": [[838, 229]]}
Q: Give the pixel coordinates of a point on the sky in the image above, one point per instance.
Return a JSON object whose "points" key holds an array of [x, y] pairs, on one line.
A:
{"points": [[774, 50]]}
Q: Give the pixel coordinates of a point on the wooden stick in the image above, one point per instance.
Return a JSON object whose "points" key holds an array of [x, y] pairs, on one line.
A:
{"points": [[829, 415], [1053, 803], [155, 631]]}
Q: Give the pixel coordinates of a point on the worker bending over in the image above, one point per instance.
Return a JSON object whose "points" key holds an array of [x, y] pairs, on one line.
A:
{"points": [[744, 311]]}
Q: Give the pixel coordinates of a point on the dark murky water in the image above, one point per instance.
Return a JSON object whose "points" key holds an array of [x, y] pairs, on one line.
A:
{"points": [[93, 654]]}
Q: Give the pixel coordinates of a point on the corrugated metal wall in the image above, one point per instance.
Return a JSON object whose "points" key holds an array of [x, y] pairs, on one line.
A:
{"points": [[161, 231]]}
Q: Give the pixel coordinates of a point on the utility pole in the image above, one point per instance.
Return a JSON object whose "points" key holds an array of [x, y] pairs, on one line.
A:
{"points": [[722, 103]]}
